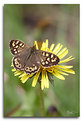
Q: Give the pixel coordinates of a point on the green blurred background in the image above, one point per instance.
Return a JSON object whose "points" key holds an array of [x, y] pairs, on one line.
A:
{"points": [[59, 23]]}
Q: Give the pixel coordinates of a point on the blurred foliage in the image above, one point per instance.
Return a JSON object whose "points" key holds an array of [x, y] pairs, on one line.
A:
{"points": [[59, 24]]}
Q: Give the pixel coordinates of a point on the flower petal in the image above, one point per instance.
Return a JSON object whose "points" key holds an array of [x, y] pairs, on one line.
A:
{"points": [[67, 70], [58, 75], [62, 53], [47, 81], [57, 48], [35, 79], [26, 77], [35, 43], [18, 73], [13, 69], [43, 84], [66, 60], [61, 72], [23, 75], [46, 46], [12, 65], [43, 46], [46, 43], [63, 66], [52, 46]]}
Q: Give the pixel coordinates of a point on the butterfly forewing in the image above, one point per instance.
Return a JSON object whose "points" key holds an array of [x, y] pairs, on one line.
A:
{"points": [[17, 46], [48, 59]]}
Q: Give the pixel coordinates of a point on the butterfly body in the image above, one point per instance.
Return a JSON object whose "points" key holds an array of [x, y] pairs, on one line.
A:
{"points": [[29, 59]]}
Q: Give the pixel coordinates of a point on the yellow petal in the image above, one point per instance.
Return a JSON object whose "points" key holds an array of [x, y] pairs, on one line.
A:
{"points": [[63, 66], [35, 43], [47, 81], [47, 43], [67, 70], [18, 73], [24, 78], [13, 69], [58, 75], [52, 46], [43, 46], [22, 75], [43, 80], [48, 50], [61, 72], [12, 65], [62, 53], [56, 50], [35, 79], [66, 60]]}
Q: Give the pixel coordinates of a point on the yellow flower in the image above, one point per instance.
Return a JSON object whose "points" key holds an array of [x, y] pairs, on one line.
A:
{"points": [[58, 70]]}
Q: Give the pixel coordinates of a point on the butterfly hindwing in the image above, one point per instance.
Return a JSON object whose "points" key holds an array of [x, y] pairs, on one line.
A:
{"points": [[48, 59], [19, 60]]}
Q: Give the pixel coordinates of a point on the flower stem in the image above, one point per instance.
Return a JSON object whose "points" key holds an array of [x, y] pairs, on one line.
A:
{"points": [[41, 102]]}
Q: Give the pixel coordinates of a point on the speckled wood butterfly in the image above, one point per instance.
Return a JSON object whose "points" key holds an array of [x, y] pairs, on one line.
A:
{"points": [[29, 59]]}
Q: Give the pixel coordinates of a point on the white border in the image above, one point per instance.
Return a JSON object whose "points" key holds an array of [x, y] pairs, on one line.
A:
{"points": [[40, 1], [2, 2]]}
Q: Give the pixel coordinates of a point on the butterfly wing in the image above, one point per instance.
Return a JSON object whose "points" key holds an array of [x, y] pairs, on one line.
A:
{"points": [[17, 46], [27, 61], [47, 59], [20, 59]]}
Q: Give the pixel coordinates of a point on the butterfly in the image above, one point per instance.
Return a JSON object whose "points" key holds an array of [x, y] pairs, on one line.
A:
{"points": [[29, 59]]}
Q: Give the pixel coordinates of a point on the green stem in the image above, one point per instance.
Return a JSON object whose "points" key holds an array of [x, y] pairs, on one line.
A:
{"points": [[41, 102]]}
